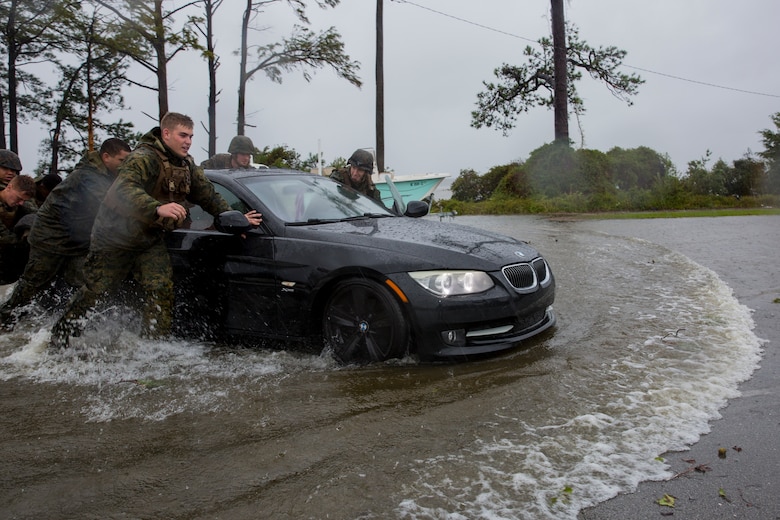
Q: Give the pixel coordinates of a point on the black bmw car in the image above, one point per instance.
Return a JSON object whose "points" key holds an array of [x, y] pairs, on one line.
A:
{"points": [[335, 269]]}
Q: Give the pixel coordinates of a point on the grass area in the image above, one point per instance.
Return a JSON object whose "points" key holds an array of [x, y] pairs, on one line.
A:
{"points": [[724, 212], [628, 205]]}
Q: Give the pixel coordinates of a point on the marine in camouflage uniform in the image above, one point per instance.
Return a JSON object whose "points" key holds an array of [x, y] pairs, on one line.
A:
{"points": [[240, 146], [59, 239], [220, 161], [357, 174], [10, 167], [15, 210], [43, 186], [127, 237]]}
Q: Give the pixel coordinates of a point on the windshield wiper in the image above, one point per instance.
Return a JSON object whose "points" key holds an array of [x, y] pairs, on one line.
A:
{"points": [[313, 221], [364, 216]]}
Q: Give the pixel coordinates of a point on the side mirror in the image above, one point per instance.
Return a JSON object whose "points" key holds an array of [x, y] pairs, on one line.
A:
{"points": [[233, 222], [416, 209]]}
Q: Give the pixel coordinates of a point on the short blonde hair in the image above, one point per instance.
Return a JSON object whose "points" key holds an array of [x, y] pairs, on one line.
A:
{"points": [[173, 119]]}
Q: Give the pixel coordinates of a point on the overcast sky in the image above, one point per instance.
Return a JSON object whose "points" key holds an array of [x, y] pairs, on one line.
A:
{"points": [[438, 53]]}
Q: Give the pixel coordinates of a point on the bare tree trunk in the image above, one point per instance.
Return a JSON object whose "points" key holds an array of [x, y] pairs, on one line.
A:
{"points": [[162, 62], [12, 81], [2, 123], [162, 81], [91, 123], [380, 90], [55, 146], [213, 64], [60, 116], [90, 92], [242, 79], [560, 95]]}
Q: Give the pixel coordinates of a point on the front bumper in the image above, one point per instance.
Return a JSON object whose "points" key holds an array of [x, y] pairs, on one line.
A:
{"points": [[499, 319]]}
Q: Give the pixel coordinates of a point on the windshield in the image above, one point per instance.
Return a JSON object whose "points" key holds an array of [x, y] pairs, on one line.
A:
{"points": [[304, 199]]}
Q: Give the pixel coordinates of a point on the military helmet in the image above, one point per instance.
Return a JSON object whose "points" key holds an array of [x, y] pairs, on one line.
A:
{"points": [[10, 160], [241, 144], [362, 159]]}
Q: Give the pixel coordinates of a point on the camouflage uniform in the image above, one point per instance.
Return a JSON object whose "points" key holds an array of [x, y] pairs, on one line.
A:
{"points": [[43, 186], [127, 237], [59, 240], [221, 161], [224, 161], [365, 186], [13, 248]]}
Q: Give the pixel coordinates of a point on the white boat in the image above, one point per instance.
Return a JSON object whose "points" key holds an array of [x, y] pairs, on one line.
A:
{"points": [[411, 187]]}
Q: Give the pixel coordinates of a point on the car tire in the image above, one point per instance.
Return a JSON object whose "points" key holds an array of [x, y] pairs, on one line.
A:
{"points": [[362, 322]]}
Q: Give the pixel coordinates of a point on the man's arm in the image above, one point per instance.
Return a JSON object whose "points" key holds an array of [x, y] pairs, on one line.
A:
{"points": [[203, 194]]}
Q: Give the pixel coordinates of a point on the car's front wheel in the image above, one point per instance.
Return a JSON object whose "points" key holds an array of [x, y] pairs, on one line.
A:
{"points": [[362, 322]]}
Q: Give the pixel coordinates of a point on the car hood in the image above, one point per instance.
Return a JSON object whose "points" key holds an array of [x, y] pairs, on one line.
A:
{"points": [[429, 242]]}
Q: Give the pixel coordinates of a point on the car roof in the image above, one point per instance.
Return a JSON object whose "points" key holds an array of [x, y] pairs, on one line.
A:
{"points": [[248, 173]]}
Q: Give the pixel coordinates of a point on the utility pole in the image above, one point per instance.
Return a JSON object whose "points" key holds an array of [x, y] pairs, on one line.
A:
{"points": [[380, 91], [560, 91]]}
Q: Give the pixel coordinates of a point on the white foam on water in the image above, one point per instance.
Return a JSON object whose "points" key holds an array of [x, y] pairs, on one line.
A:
{"points": [[30, 353], [658, 394], [125, 376]]}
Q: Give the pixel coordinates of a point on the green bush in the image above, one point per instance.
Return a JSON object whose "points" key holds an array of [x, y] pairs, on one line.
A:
{"points": [[558, 179], [514, 184]]}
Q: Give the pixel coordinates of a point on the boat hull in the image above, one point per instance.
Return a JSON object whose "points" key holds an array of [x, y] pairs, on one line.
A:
{"points": [[411, 187]]}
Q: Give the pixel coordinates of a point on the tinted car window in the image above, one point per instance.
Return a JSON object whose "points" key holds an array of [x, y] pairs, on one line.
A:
{"points": [[201, 219]]}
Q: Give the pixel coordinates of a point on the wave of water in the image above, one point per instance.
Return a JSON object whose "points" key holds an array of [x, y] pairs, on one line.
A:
{"points": [[536, 469], [119, 369], [671, 353]]}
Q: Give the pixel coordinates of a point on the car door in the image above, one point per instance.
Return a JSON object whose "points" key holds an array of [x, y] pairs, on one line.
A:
{"points": [[224, 283]]}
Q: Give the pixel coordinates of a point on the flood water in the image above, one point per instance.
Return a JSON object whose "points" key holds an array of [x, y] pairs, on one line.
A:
{"points": [[648, 347]]}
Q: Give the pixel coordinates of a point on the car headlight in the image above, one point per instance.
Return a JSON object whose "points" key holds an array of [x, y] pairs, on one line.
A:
{"points": [[452, 283]]}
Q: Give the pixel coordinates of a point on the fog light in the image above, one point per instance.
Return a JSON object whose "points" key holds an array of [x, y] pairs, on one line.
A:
{"points": [[456, 338]]}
